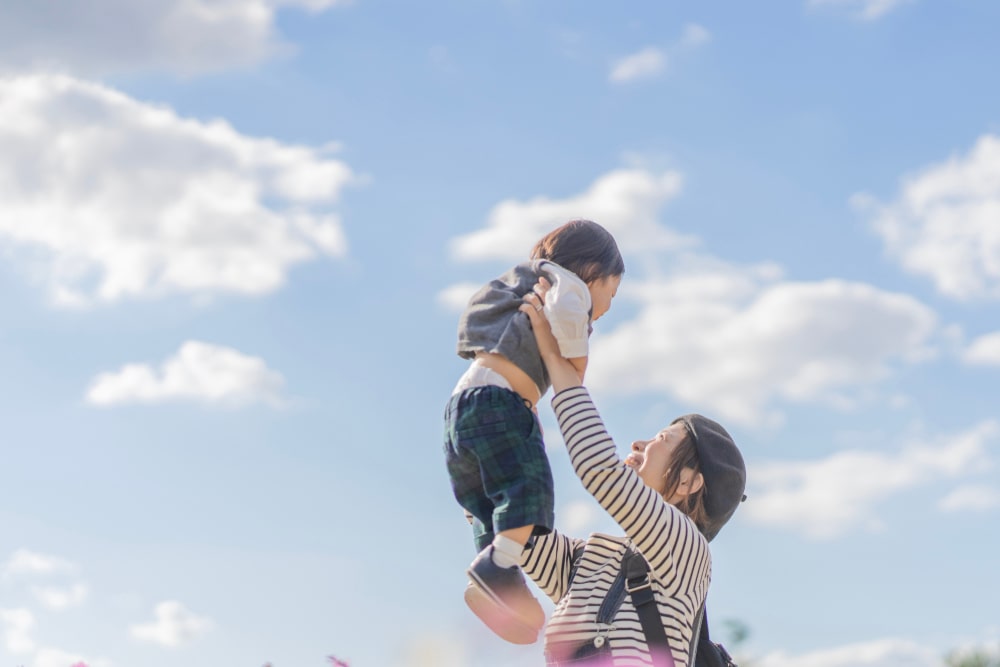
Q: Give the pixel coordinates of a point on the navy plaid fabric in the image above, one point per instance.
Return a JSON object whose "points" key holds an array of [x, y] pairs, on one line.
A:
{"points": [[497, 463]]}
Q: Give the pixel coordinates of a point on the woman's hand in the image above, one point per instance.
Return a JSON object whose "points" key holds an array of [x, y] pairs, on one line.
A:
{"points": [[562, 373]]}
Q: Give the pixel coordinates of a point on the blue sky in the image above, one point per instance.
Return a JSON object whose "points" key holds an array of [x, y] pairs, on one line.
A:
{"points": [[234, 236]]}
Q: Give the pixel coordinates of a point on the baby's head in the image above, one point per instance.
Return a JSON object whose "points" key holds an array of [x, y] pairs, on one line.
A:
{"points": [[589, 251]]}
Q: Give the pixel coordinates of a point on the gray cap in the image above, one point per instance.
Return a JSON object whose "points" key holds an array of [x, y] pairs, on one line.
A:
{"points": [[723, 468]]}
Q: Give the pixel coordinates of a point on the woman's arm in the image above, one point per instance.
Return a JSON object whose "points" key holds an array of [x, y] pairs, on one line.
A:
{"points": [[661, 532], [549, 562]]}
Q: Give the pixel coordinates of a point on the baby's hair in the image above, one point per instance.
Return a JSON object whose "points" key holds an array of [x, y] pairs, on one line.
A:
{"points": [[685, 455], [583, 247]]}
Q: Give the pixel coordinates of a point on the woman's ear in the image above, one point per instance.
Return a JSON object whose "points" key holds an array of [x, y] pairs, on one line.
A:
{"points": [[690, 482]]}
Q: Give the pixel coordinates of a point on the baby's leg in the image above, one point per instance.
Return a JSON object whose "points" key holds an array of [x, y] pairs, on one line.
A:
{"points": [[517, 480], [509, 544]]}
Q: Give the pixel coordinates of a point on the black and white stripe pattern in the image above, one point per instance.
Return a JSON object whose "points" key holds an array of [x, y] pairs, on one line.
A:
{"points": [[678, 556]]}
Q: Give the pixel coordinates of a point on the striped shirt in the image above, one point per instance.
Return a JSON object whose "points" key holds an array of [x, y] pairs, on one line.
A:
{"points": [[679, 560]]}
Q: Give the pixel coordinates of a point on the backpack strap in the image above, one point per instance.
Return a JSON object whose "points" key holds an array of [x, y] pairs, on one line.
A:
{"points": [[574, 563], [700, 630], [616, 593], [639, 586], [716, 654]]}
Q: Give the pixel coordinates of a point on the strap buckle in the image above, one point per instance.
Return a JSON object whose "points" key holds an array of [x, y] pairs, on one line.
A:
{"points": [[641, 585]]}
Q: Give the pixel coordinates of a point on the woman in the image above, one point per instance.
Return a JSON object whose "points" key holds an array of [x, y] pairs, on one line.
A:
{"points": [[670, 495]]}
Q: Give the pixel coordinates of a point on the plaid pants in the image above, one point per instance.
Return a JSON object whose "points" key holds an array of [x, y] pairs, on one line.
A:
{"points": [[497, 463]]}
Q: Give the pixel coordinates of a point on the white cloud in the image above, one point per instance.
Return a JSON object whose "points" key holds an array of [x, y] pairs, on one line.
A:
{"points": [[626, 202], [198, 372], [174, 626], [866, 10], [25, 562], [889, 652], [943, 223], [16, 626], [58, 598], [650, 62], [644, 64], [457, 296], [832, 496], [971, 497], [984, 350], [109, 198], [694, 35], [579, 517], [732, 341], [181, 36]]}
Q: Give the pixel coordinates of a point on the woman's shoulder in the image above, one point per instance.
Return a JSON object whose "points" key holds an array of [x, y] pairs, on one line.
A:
{"points": [[621, 542], [605, 544], [597, 553], [605, 538]]}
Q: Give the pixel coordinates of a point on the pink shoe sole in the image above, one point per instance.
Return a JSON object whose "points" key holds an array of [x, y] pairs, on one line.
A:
{"points": [[501, 619]]}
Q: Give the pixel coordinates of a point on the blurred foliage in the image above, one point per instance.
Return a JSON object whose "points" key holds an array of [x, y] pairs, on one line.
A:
{"points": [[737, 632], [973, 658], [734, 634]]}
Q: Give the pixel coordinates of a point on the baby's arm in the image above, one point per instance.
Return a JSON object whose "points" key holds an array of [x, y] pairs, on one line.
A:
{"points": [[567, 308]]}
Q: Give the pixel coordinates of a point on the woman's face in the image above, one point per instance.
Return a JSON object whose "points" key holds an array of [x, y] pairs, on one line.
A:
{"points": [[651, 459]]}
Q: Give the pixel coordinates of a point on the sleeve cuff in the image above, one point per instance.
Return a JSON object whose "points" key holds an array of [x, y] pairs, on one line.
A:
{"points": [[574, 348], [562, 397]]}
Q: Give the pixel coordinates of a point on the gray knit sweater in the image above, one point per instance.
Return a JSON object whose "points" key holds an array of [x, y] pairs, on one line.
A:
{"points": [[493, 323]]}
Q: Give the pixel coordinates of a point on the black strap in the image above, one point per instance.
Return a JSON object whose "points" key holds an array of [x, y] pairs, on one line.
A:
{"points": [[616, 593], [639, 586], [700, 629], [574, 563], [716, 653]]}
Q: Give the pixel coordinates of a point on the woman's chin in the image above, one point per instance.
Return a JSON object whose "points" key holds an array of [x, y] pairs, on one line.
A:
{"points": [[634, 461]]}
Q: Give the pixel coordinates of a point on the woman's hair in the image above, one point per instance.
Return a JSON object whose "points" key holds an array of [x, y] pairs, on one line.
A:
{"points": [[583, 247], [686, 456]]}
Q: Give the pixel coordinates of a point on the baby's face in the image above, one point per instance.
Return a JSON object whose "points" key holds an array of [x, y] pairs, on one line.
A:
{"points": [[601, 293]]}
